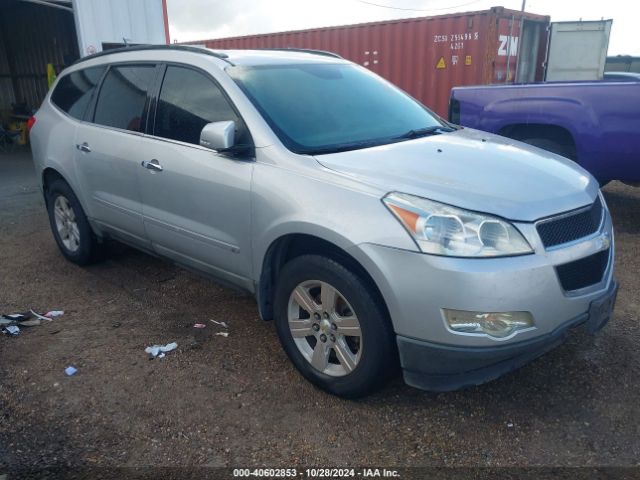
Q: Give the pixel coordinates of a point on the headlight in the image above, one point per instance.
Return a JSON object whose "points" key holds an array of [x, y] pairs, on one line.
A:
{"points": [[445, 230]]}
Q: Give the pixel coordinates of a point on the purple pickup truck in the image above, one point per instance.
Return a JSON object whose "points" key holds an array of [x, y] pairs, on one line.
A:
{"points": [[596, 124]]}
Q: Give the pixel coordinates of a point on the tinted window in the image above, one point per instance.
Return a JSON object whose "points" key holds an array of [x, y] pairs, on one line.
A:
{"points": [[188, 101], [73, 92], [123, 96], [317, 108]]}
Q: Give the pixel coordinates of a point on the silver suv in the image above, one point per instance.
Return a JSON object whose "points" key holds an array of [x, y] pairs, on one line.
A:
{"points": [[373, 232]]}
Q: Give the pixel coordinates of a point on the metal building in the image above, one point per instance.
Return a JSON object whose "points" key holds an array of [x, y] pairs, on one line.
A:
{"points": [[41, 37]]}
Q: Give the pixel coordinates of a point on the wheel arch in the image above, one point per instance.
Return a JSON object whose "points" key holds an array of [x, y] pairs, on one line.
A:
{"points": [[551, 132], [48, 176], [51, 174], [292, 245]]}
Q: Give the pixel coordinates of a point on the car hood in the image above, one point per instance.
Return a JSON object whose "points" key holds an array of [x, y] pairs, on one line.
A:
{"points": [[473, 170]]}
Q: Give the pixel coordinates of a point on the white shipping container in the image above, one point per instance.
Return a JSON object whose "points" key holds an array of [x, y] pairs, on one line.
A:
{"points": [[577, 50]]}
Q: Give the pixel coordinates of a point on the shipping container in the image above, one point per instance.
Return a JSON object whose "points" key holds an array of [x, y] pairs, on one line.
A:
{"points": [[427, 56], [577, 50]]}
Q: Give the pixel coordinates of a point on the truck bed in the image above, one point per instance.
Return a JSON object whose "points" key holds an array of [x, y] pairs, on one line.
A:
{"points": [[597, 124]]}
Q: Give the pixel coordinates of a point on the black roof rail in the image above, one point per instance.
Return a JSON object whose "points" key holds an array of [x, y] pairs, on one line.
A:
{"points": [[138, 48], [304, 50]]}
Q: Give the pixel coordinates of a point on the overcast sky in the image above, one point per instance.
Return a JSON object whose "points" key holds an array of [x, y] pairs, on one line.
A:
{"points": [[204, 19]]}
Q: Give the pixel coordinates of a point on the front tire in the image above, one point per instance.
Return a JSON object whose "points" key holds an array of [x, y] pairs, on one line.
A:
{"points": [[332, 327], [70, 226]]}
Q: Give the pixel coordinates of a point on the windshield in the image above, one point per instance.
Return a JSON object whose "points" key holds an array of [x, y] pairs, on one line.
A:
{"points": [[323, 108]]}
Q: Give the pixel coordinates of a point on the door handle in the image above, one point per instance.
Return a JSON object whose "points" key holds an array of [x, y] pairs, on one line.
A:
{"points": [[83, 147], [152, 165]]}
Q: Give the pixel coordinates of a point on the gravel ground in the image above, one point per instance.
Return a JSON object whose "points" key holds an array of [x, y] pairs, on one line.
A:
{"points": [[237, 401]]}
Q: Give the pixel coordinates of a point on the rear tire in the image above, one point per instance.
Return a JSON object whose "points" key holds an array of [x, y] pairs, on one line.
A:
{"points": [[350, 328], [70, 226]]}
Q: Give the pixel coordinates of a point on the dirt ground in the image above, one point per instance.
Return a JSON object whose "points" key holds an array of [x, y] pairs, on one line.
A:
{"points": [[237, 401]]}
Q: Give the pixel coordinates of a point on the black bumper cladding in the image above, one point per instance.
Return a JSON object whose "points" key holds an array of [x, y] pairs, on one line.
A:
{"points": [[441, 368]]}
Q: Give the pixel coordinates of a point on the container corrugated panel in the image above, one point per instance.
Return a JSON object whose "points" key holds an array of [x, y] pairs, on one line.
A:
{"points": [[35, 36], [424, 56]]}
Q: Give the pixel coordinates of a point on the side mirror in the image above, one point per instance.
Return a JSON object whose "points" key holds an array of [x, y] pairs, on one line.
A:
{"points": [[218, 136]]}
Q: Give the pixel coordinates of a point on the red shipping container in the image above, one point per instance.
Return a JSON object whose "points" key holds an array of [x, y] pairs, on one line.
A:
{"points": [[427, 56]]}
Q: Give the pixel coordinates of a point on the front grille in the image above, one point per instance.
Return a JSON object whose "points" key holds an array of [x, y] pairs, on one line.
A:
{"points": [[584, 272], [570, 227]]}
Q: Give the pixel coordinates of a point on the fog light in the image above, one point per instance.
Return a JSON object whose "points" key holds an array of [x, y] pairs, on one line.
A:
{"points": [[494, 324]]}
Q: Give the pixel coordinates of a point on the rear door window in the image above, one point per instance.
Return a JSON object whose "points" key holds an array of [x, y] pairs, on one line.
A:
{"points": [[188, 101], [74, 91], [123, 97]]}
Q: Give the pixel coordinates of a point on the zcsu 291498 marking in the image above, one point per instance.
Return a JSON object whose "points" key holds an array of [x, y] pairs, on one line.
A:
{"points": [[456, 37]]}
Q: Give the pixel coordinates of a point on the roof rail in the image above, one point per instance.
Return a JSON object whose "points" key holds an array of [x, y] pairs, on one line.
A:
{"points": [[138, 48], [304, 50]]}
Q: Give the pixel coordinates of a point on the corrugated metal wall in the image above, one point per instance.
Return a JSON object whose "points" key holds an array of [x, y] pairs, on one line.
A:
{"points": [[6, 86], [31, 36]]}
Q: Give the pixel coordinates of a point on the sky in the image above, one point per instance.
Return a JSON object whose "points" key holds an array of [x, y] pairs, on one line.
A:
{"points": [[206, 19]]}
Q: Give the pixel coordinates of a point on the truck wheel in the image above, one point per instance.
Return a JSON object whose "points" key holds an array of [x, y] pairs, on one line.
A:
{"points": [[551, 146], [332, 328], [69, 225]]}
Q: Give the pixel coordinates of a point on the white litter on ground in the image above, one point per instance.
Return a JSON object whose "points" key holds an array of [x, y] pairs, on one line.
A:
{"points": [[222, 324], [160, 350], [41, 317], [12, 330]]}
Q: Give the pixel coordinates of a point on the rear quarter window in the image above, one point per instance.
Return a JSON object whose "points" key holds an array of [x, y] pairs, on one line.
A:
{"points": [[73, 92]]}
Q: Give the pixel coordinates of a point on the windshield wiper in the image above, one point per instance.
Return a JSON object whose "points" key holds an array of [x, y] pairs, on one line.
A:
{"points": [[417, 133], [424, 132]]}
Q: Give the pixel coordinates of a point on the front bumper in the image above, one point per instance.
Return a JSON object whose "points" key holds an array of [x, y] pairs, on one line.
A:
{"points": [[434, 367], [417, 287]]}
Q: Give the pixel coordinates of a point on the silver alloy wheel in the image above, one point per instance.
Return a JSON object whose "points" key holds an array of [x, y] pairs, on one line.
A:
{"points": [[325, 328], [66, 223]]}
